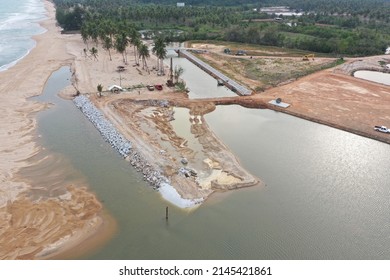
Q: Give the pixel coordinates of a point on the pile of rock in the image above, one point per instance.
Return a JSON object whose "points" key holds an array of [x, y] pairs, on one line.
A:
{"points": [[118, 142], [154, 102], [151, 175], [106, 129], [187, 172]]}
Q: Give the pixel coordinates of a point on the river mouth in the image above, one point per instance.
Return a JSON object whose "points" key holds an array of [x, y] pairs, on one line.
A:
{"points": [[56, 211], [325, 197], [177, 142]]}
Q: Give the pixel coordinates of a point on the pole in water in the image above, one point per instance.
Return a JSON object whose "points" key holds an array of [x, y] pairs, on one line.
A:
{"points": [[166, 213]]}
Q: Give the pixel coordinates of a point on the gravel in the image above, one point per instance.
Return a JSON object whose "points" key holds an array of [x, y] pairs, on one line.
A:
{"points": [[106, 129], [119, 142]]}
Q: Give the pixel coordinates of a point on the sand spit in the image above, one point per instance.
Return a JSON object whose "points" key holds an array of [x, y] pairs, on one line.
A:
{"points": [[41, 229], [43, 215], [117, 141], [182, 178], [196, 164], [106, 129], [39, 225], [41, 218]]}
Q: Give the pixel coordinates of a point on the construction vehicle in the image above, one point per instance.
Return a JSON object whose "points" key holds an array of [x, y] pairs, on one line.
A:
{"points": [[227, 51], [307, 57]]}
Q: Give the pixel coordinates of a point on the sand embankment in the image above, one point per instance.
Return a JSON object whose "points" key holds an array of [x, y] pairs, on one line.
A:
{"points": [[42, 214], [148, 120], [35, 220]]}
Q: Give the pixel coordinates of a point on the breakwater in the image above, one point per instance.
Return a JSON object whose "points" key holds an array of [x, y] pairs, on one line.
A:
{"points": [[125, 148], [106, 129]]}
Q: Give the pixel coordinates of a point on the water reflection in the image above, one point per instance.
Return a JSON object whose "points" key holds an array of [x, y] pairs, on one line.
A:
{"points": [[200, 84], [327, 187], [326, 195]]}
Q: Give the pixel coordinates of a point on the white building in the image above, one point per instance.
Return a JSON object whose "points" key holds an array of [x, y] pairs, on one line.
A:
{"points": [[181, 4]]}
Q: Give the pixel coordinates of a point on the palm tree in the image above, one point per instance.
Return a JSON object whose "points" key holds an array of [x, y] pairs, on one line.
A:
{"points": [[94, 33], [135, 40], [85, 52], [84, 34], [100, 89], [178, 72], [94, 52], [144, 54], [107, 45], [160, 51], [121, 44]]}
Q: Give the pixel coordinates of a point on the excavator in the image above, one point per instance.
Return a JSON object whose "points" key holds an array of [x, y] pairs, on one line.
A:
{"points": [[308, 56]]}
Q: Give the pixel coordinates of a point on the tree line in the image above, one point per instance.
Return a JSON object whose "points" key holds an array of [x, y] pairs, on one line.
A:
{"points": [[345, 27], [119, 36]]}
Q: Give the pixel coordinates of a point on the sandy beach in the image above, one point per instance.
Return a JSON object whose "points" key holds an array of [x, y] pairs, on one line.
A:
{"points": [[38, 226], [45, 216]]}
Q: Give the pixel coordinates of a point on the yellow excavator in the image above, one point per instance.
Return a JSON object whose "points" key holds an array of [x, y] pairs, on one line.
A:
{"points": [[308, 56]]}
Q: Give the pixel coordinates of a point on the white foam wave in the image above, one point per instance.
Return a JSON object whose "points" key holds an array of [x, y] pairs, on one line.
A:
{"points": [[31, 12], [171, 195], [12, 63], [18, 24]]}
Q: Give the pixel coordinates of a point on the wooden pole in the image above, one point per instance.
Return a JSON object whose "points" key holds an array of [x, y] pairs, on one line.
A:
{"points": [[166, 213], [171, 70]]}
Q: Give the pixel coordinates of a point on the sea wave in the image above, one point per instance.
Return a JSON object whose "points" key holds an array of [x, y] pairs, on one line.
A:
{"points": [[18, 24]]}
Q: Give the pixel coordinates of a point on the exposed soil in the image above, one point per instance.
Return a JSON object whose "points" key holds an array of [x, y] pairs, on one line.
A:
{"points": [[147, 121], [260, 72], [332, 97], [337, 100]]}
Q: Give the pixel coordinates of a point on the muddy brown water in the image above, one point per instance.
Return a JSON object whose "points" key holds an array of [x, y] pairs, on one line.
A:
{"points": [[327, 191]]}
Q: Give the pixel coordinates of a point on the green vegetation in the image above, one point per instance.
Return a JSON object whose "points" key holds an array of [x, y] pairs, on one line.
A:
{"points": [[160, 51], [337, 27], [100, 89]]}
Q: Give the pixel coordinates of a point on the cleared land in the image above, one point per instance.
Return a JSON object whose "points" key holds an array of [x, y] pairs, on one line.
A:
{"points": [[262, 68], [43, 215], [332, 97], [148, 121]]}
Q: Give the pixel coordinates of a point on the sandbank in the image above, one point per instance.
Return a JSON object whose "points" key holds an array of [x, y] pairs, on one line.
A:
{"points": [[32, 225], [43, 215]]}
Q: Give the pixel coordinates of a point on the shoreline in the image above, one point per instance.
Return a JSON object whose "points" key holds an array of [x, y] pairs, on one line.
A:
{"points": [[33, 19], [209, 164], [53, 225], [20, 150]]}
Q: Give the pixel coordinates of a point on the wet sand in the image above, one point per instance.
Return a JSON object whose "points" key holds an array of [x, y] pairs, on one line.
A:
{"points": [[48, 218], [61, 214], [209, 165], [41, 214]]}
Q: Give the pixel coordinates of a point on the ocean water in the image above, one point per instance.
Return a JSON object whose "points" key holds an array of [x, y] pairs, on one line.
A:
{"points": [[18, 23]]}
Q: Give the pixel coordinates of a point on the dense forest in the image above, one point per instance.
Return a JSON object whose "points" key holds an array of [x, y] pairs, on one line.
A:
{"points": [[338, 27]]}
